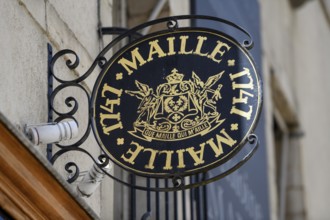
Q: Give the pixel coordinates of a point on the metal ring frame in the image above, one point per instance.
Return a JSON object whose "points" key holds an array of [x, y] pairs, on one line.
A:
{"points": [[172, 24]]}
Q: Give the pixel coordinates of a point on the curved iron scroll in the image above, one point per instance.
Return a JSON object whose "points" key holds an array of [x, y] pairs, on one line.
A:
{"points": [[71, 103], [177, 181]]}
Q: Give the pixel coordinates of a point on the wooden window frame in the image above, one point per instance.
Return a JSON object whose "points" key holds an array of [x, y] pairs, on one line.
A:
{"points": [[29, 187]]}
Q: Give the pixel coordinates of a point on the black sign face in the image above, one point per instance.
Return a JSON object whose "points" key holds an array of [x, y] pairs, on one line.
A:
{"points": [[176, 103]]}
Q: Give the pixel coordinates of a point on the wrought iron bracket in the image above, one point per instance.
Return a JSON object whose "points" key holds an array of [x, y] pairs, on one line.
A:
{"points": [[71, 103], [49, 92]]}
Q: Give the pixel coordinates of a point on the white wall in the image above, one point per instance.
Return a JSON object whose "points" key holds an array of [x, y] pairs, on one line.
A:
{"points": [[26, 28], [296, 45], [312, 63], [276, 35]]}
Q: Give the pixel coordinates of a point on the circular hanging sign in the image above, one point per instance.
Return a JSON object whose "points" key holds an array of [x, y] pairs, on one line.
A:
{"points": [[176, 102]]}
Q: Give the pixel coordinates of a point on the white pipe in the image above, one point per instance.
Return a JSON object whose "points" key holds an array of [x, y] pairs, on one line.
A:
{"points": [[52, 133], [91, 180]]}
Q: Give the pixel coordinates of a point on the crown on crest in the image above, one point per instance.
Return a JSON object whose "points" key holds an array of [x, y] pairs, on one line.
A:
{"points": [[174, 77]]}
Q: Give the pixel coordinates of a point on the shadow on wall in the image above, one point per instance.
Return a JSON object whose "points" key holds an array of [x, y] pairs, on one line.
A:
{"points": [[297, 3]]}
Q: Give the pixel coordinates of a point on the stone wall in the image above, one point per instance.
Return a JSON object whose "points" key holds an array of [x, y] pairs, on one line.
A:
{"points": [[296, 80], [312, 87], [27, 27]]}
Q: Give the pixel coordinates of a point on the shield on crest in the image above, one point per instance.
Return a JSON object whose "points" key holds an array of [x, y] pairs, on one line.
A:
{"points": [[176, 108]]}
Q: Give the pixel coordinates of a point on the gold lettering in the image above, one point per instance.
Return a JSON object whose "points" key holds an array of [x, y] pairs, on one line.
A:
{"points": [[194, 154], [106, 130], [217, 50], [109, 107], [242, 113], [217, 148], [168, 162], [199, 46], [111, 103], [181, 158], [133, 154], [153, 154], [246, 72], [108, 116], [183, 45], [242, 99], [127, 64], [107, 88], [155, 49], [243, 85], [171, 46]]}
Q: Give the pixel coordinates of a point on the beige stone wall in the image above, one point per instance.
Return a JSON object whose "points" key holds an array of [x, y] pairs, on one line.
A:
{"points": [[277, 57], [27, 26], [296, 51], [312, 86], [23, 61]]}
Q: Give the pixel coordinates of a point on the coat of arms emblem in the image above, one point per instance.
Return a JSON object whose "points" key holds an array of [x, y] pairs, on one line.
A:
{"points": [[176, 103], [177, 109]]}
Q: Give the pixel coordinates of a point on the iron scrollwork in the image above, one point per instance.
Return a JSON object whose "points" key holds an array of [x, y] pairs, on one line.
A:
{"points": [[72, 104]]}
